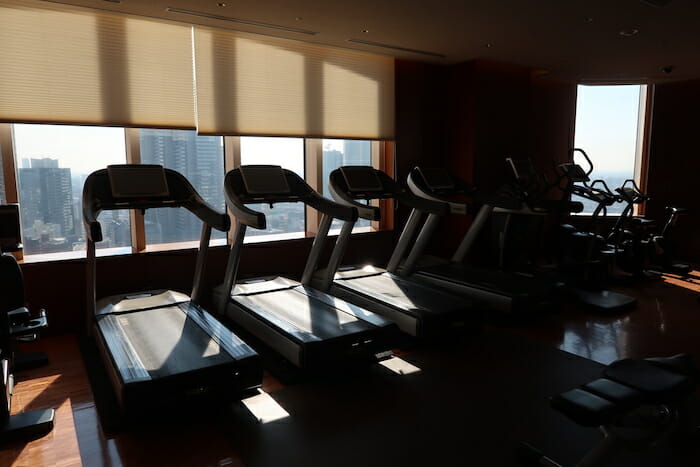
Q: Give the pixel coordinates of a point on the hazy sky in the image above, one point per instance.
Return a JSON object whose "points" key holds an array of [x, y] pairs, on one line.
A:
{"points": [[85, 149], [606, 126]]}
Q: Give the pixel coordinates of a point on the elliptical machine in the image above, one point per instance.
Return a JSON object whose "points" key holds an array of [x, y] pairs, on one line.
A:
{"points": [[645, 252], [17, 324]]}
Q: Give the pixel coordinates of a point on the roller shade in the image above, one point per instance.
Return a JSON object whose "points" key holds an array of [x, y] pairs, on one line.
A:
{"points": [[61, 64], [248, 84]]}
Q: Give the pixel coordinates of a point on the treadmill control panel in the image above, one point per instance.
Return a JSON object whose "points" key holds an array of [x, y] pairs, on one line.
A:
{"points": [[436, 179], [138, 181], [361, 179], [264, 180]]}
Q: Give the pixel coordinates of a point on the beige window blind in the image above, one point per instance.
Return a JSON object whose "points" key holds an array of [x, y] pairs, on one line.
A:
{"points": [[61, 64], [248, 84]]}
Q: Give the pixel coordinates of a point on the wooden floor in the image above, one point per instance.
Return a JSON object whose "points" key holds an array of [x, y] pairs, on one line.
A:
{"points": [[666, 322]]}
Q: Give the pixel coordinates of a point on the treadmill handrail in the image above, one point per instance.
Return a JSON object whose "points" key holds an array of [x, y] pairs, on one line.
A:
{"points": [[97, 197], [237, 197], [390, 189]]}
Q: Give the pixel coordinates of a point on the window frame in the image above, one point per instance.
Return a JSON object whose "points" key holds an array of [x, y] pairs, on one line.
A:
{"points": [[642, 149], [382, 157]]}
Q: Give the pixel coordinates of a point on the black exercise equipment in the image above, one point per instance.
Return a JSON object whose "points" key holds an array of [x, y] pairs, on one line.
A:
{"points": [[643, 249], [635, 404], [161, 346], [585, 272], [419, 309], [17, 324], [512, 296], [308, 327]]}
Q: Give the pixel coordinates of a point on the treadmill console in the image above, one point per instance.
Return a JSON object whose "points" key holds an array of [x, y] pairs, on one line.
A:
{"points": [[10, 235], [138, 181], [264, 180], [361, 179], [437, 179]]}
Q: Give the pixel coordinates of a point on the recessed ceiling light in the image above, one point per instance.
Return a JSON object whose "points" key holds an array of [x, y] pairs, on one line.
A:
{"points": [[629, 32]]}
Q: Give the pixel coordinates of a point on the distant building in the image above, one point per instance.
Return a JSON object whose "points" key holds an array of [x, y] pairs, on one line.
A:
{"points": [[200, 160], [46, 199]]}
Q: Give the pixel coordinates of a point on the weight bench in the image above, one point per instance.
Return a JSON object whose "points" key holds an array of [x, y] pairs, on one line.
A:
{"points": [[636, 403]]}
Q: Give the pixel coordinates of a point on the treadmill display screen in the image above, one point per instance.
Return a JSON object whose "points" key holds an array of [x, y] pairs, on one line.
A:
{"points": [[10, 237], [264, 179], [436, 178], [138, 181], [361, 179]]}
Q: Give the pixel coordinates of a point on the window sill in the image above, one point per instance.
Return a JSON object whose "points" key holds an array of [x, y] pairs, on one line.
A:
{"points": [[180, 246], [68, 255]]}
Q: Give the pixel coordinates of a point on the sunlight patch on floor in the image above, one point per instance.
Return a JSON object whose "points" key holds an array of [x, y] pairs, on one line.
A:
{"points": [[399, 366], [264, 408]]}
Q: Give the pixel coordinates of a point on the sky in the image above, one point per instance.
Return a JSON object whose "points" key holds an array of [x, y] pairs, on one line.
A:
{"points": [[606, 126], [86, 149]]}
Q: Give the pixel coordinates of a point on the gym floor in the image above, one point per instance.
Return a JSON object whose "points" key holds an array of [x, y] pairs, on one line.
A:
{"points": [[469, 405]]}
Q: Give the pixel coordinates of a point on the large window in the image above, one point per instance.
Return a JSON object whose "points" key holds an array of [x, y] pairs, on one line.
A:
{"points": [[283, 218], [337, 153], [201, 160], [52, 164], [609, 127]]}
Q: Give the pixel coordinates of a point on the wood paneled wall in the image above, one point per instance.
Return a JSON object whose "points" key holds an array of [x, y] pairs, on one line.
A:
{"points": [[470, 116], [674, 160]]}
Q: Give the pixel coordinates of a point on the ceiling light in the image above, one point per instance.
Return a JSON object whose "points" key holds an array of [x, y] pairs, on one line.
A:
{"points": [[221, 4], [258, 24], [365, 31], [396, 47], [629, 32]]}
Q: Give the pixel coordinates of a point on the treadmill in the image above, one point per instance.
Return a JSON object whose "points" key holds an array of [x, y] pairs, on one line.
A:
{"points": [[419, 309], [160, 346], [512, 296], [309, 328]]}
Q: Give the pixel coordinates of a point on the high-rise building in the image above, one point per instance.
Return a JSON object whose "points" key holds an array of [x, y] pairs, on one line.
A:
{"points": [[356, 152], [46, 198], [200, 159]]}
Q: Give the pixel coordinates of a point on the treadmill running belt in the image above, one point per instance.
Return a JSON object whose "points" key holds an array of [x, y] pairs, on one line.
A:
{"points": [[408, 295], [163, 341], [489, 278], [301, 315]]}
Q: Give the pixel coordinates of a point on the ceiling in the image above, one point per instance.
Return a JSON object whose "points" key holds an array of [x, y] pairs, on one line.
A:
{"points": [[588, 41]]}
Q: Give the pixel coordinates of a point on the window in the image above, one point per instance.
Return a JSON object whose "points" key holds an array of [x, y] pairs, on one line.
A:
{"points": [[52, 164], [609, 125], [337, 153], [53, 161], [284, 218], [201, 160]]}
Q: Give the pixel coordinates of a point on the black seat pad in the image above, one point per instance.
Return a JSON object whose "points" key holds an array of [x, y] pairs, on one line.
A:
{"points": [[657, 384], [586, 408]]}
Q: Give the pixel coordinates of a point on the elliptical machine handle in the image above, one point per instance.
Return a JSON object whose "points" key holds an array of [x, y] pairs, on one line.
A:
{"points": [[585, 156]]}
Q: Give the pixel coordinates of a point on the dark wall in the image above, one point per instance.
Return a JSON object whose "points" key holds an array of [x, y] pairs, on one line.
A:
{"points": [[674, 160], [468, 117]]}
